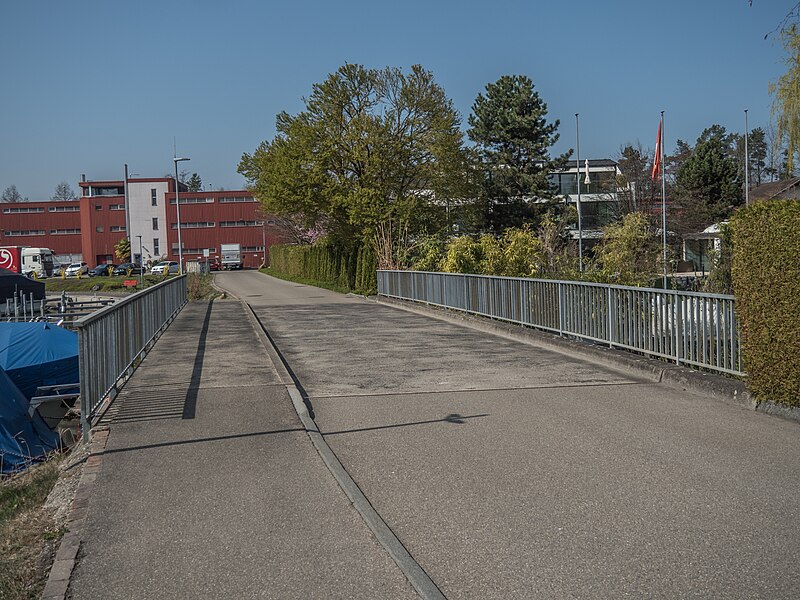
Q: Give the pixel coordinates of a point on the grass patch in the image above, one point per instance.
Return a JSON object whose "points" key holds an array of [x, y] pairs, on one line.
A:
{"points": [[199, 287], [28, 538], [104, 284], [320, 284]]}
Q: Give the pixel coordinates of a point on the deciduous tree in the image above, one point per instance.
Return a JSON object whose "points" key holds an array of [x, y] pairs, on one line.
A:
{"points": [[63, 192], [786, 97], [375, 156], [11, 194]]}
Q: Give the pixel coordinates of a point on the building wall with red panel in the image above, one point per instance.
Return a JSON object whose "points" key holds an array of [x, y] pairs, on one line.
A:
{"points": [[210, 219], [57, 226], [97, 222], [102, 226]]}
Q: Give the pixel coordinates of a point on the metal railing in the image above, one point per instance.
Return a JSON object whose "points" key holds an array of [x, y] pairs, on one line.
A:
{"points": [[113, 340], [687, 327]]}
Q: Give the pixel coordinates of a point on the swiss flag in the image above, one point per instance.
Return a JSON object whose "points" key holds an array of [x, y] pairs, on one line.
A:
{"points": [[657, 158]]}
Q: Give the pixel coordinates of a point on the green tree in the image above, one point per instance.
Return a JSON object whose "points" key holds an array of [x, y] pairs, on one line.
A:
{"points": [[374, 159], [786, 97], [195, 184], [708, 184], [122, 250], [513, 139], [757, 147], [63, 192], [10, 194]]}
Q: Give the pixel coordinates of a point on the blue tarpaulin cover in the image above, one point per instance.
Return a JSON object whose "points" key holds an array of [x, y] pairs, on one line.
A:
{"points": [[34, 354], [22, 439]]}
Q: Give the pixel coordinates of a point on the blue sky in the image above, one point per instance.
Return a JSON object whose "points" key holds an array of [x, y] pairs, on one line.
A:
{"points": [[89, 85]]}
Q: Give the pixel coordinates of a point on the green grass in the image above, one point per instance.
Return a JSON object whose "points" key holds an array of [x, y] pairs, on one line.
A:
{"points": [[87, 284], [319, 284], [27, 490]]}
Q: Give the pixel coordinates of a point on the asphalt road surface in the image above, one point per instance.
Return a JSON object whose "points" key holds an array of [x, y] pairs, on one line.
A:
{"points": [[510, 471]]}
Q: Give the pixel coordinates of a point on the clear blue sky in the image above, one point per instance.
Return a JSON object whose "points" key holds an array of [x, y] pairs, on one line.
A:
{"points": [[89, 85]]}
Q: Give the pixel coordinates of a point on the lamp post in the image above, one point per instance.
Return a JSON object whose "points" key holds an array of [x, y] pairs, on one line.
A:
{"points": [[578, 180], [746, 161], [141, 270], [176, 160]]}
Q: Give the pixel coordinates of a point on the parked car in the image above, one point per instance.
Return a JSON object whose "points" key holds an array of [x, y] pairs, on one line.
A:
{"points": [[102, 270], [124, 268], [214, 264], [76, 268], [58, 270], [165, 266]]}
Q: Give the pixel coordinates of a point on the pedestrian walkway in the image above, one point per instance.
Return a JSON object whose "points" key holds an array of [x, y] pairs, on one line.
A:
{"points": [[511, 471], [210, 488]]}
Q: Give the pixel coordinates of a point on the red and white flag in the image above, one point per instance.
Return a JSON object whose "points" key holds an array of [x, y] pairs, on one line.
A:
{"points": [[657, 158]]}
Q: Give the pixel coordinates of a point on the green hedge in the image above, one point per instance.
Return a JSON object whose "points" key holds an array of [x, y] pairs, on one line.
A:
{"points": [[321, 263], [766, 282]]}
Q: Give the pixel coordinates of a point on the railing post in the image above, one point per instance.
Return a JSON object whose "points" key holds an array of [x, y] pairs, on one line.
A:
{"points": [[560, 308], [677, 324], [610, 334]]}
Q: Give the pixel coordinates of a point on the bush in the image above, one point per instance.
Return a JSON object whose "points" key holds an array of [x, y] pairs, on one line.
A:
{"points": [[325, 265], [766, 282], [463, 255]]}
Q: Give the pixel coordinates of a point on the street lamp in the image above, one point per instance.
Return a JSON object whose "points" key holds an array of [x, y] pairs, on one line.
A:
{"points": [[176, 160], [141, 270]]}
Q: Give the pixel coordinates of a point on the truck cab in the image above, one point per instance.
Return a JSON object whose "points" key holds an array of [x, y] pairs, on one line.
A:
{"points": [[28, 261]]}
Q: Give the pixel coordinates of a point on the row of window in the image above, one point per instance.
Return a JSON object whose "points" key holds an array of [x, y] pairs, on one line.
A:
{"points": [[194, 225], [20, 232], [13, 210], [208, 200]]}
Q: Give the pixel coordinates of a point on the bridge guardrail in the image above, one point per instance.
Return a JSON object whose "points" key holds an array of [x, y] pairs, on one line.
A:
{"points": [[688, 327], [112, 340]]}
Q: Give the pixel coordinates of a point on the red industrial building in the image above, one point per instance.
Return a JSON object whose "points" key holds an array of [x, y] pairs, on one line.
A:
{"points": [[88, 228]]}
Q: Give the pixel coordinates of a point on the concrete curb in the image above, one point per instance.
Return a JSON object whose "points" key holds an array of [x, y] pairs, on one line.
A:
{"points": [[414, 573], [67, 555], [725, 389]]}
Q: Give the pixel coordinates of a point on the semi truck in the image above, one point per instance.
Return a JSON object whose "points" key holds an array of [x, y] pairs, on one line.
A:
{"points": [[231, 256], [32, 262]]}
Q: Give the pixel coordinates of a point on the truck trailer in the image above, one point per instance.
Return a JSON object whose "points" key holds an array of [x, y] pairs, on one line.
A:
{"points": [[31, 262], [231, 256]]}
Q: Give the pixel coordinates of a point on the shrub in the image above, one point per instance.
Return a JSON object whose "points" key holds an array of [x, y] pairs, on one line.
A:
{"points": [[463, 255], [766, 282], [629, 252], [522, 253]]}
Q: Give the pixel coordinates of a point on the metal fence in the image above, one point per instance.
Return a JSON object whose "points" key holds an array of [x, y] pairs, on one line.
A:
{"points": [[113, 340], [687, 327]]}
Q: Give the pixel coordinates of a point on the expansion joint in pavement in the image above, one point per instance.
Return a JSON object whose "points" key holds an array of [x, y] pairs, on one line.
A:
{"points": [[411, 569]]}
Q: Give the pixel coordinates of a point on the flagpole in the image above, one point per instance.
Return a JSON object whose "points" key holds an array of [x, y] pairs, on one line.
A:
{"points": [[578, 179], [663, 201]]}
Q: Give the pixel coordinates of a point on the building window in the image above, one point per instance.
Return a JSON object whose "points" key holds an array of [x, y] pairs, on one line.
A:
{"points": [[22, 209], [252, 248], [156, 249], [98, 229], [153, 197], [205, 200], [115, 228], [64, 231], [241, 223], [23, 232], [98, 207], [230, 199], [193, 225], [155, 223], [192, 250], [116, 207], [64, 209]]}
